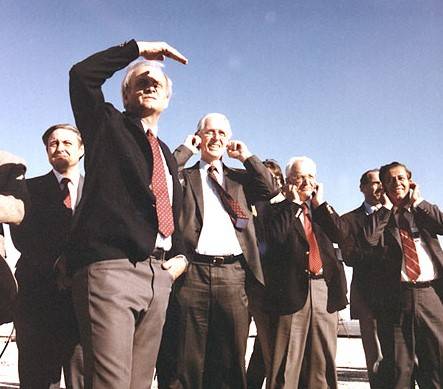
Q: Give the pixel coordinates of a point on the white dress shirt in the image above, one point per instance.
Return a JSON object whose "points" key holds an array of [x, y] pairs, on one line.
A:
{"points": [[217, 236]]}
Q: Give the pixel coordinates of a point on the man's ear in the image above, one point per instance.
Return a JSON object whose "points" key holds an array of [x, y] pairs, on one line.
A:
{"points": [[82, 148]]}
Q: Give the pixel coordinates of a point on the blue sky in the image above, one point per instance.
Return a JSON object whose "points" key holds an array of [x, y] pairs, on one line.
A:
{"points": [[352, 84]]}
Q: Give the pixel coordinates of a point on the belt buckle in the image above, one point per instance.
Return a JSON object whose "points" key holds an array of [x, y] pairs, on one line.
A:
{"points": [[218, 260]]}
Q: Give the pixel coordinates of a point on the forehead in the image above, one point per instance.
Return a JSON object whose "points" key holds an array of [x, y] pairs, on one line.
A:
{"points": [[62, 134], [144, 72], [217, 123], [373, 177], [303, 168], [397, 171]]}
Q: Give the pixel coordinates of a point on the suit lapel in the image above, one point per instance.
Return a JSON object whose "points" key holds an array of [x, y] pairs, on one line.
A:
{"points": [[300, 229], [196, 186], [394, 231], [53, 189]]}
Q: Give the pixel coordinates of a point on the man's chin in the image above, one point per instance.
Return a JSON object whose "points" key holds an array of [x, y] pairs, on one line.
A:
{"points": [[397, 199], [60, 165]]}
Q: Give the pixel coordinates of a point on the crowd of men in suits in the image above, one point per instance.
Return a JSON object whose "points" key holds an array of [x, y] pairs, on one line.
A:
{"points": [[145, 263]]}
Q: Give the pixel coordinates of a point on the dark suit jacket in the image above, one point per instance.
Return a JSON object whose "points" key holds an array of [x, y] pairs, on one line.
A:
{"points": [[288, 244], [43, 234], [244, 185], [117, 216], [360, 257], [382, 232]]}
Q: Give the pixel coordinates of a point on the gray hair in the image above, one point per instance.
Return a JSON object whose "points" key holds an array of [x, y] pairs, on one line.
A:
{"points": [[292, 161], [143, 63], [202, 122]]}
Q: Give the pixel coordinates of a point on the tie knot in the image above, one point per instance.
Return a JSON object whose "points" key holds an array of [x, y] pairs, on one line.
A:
{"points": [[305, 209], [65, 181], [212, 169]]}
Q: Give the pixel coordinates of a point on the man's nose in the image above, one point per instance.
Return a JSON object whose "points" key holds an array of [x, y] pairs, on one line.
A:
{"points": [[149, 88]]}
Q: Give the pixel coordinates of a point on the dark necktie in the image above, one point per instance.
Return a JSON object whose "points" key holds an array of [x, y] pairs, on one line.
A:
{"points": [[65, 192], [232, 207], [314, 263], [160, 189], [410, 256]]}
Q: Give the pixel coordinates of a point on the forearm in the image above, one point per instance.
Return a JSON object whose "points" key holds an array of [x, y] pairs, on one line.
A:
{"points": [[182, 154], [96, 69], [261, 185], [431, 216], [87, 77], [335, 227], [375, 225]]}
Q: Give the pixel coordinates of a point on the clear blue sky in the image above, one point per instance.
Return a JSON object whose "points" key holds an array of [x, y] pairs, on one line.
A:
{"points": [[352, 84]]}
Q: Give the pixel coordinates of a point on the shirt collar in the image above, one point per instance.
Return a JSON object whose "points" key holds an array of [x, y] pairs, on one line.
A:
{"points": [[74, 177], [218, 164], [154, 129], [369, 209]]}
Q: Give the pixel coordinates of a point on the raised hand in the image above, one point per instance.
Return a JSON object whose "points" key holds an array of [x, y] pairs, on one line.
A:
{"points": [[238, 150], [159, 50]]}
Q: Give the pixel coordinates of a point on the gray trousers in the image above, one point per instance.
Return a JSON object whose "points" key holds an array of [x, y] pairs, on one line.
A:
{"points": [[121, 309], [305, 345]]}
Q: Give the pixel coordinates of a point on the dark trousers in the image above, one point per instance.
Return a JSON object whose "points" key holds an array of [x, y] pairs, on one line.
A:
{"points": [[47, 339], [256, 372], [415, 334], [213, 327], [121, 309], [266, 322]]}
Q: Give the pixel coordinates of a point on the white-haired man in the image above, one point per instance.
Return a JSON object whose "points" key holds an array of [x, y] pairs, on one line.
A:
{"points": [[125, 240], [308, 284], [219, 236]]}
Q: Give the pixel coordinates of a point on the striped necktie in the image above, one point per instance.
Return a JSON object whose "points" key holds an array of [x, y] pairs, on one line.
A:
{"points": [[410, 256]]}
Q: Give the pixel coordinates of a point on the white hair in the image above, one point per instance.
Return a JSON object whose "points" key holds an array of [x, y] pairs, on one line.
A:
{"points": [[143, 63], [292, 161], [202, 122]]}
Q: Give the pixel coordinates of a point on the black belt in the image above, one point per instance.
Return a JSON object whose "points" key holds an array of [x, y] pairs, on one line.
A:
{"points": [[313, 276], [159, 254], [417, 285], [217, 259]]}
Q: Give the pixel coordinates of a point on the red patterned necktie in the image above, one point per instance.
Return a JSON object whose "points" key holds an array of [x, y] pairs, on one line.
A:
{"points": [[232, 207], [410, 256], [315, 263], [65, 192], [160, 189]]}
